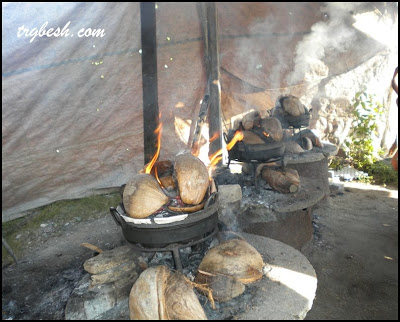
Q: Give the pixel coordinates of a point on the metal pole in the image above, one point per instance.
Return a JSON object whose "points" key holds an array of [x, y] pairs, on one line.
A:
{"points": [[149, 78], [214, 111]]}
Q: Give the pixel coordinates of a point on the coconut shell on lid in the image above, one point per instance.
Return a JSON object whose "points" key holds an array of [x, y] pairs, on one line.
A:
{"points": [[250, 137], [235, 258], [273, 127], [251, 120], [192, 177], [164, 167], [293, 106], [142, 196]]}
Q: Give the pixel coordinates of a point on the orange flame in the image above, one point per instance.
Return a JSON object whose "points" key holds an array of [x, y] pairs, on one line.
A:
{"points": [[214, 137], [155, 157], [266, 134], [237, 137], [216, 157], [156, 174]]}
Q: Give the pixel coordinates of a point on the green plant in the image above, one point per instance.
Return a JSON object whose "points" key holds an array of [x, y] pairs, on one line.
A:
{"points": [[336, 163], [384, 174], [17, 232], [359, 147]]}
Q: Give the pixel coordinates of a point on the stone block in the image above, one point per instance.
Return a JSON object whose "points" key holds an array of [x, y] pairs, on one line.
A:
{"points": [[293, 228], [110, 259], [101, 302], [120, 272], [228, 194]]}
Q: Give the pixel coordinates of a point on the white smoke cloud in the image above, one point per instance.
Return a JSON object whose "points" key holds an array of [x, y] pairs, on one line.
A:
{"points": [[335, 34]]}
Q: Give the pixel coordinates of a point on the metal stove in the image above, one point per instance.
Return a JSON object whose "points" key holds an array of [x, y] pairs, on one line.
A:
{"points": [[196, 228]]}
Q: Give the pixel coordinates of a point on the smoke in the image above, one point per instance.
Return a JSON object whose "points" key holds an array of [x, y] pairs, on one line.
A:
{"points": [[260, 68], [254, 65], [335, 34]]}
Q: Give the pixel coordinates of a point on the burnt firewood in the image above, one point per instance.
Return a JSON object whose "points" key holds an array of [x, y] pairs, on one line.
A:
{"points": [[284, 181]]}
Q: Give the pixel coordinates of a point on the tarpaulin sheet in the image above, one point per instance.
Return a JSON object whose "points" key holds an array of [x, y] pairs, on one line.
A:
{"points": [[72, 115]]}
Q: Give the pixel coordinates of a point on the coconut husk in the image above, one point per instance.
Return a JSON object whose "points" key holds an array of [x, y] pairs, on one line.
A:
{"points": [[292, 105], [168, 182], [181, 302], [292, 147], [224, 288], [159, 294], [306, 143], [250, 137], [142, 196], [164, 167], [314, 139], [251, 120], [284, 181], [273, 127], [192, 177], [187, 209], [146, 298], [235, 258]]}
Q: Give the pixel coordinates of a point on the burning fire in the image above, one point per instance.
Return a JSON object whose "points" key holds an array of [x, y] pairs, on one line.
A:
{"points": [[214, 137], [155, 157], [266, 134], [237, 137], [216, 157], [158, 179]]}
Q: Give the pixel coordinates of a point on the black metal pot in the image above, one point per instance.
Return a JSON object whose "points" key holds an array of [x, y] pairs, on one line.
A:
{"points": [[195, 226], [256, 152], [243, 152], [299, 121]]}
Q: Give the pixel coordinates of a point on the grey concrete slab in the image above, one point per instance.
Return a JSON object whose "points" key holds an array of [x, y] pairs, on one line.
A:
{"points": [[287, 290]]}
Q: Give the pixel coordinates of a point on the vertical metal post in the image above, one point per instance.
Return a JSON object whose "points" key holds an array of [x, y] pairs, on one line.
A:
{"points": [[214, 110], [149, 78]]}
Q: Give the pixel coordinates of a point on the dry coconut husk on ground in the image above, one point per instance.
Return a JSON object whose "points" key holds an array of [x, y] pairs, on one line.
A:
{"points": [[181, 302], [159, 294], [223, 287], [235, 258]]}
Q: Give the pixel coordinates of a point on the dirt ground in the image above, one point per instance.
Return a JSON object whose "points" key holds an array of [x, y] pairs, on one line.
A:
{"points": [[354, 253]]}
